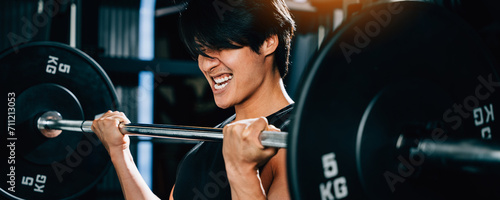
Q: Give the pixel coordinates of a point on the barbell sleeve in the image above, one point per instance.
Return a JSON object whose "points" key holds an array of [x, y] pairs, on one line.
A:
{"points": [[467, 151], [268, 138], [469, 155]]}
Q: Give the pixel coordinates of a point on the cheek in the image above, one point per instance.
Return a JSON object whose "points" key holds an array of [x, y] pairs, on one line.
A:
{"points": [[249, 82], [201, 62]]}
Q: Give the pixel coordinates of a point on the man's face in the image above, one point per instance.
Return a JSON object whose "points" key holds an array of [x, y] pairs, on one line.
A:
{"points": [[234, 75]]}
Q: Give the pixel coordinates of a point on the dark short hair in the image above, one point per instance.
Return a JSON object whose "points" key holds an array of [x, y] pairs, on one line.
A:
{"points": [[233, 24]]}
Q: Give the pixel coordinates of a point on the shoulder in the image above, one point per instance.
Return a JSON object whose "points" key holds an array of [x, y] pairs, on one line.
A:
{"points": [[281, 119]]}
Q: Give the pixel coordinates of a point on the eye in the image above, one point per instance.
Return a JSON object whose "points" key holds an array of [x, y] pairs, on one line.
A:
{"points": [[207, 56], [209, 53], [203, 54]]}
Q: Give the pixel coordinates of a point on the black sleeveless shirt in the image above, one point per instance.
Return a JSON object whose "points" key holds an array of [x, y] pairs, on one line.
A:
{"points": [[202, 173]]}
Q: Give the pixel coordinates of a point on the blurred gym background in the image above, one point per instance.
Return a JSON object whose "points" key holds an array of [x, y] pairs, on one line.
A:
{"points": [[137, 43]]}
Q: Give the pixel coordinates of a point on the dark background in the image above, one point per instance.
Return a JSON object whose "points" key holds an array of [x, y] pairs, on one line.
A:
{"points": [[108, 30]]}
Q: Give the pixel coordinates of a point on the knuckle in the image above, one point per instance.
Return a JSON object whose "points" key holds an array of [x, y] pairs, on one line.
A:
{"points": [[262, 120], [246, 133], [235, 127], [240, 128], [273, 128], [226, 131], [227, 128]]}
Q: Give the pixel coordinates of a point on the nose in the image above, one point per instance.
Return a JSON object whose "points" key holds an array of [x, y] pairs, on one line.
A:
{"points": [[207, 63]]}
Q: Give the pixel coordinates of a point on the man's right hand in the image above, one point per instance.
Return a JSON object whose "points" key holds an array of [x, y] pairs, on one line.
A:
{"points": [[107, 129]]}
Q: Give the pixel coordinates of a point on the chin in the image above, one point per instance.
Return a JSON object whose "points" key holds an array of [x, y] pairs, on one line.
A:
{"points": [[223, 105]]}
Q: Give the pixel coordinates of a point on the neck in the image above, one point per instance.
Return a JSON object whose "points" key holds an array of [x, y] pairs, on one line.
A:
{"points": [[269, 99]]}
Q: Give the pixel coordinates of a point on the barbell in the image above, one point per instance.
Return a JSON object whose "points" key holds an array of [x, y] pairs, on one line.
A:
{"points": [[51, 123], [399, 103]]}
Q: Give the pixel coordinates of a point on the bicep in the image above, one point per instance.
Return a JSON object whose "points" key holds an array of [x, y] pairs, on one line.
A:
{"points": [[279, 185]]}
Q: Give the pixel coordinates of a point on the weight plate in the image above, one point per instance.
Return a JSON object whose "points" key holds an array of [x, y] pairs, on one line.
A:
{"points": [[44, 76], [37, 148], [398, 116], [401, 68]]}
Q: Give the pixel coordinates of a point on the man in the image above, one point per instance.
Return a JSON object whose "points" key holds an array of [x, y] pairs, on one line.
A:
{"points": [[242, 48]]}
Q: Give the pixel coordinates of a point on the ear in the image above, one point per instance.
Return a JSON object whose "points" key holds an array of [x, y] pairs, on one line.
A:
{"points": [[269, 45]]}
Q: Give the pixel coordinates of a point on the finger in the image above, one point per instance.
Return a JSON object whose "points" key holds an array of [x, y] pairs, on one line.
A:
{"points": [[259, 125], [254, 130], [272, 128], [126, 120], [110, 112], [237, 127], [121, 128], [119, 119], [104, 115], [270, 151], [117, 122], [120, 115]]}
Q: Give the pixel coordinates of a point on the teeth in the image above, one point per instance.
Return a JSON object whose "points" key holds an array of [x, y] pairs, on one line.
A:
{"points": [[221, 80], [218, 87]]}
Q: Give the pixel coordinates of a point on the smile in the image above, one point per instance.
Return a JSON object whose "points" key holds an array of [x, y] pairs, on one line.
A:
{"points": [[222, 81]]}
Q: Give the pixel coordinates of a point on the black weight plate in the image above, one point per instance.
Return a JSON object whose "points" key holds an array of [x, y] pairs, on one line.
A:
{"points": [[375, 77], [399, 116], [39, 77], [37, 148]]}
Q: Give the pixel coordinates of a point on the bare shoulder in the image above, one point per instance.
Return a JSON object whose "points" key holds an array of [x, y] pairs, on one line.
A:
{"points": [[273, 176]]}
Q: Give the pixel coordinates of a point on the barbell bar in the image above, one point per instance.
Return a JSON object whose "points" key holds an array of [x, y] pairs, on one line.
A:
{"points": [[52, 120]]}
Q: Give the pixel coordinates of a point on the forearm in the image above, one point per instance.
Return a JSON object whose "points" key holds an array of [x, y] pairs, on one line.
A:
{"points": [[246, 185], [133, 185]]}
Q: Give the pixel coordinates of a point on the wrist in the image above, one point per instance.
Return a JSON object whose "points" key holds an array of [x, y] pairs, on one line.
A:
{"points": [[118, 153], [241, 173], [246, 184], [241, 169]]}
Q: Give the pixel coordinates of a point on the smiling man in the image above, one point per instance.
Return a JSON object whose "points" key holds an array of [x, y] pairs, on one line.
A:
{"points": [[242, 47]]}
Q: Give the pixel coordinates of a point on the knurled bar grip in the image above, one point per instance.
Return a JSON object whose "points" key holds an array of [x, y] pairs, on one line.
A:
{"points": [[268, 138]]}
